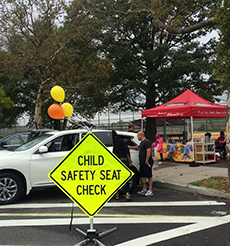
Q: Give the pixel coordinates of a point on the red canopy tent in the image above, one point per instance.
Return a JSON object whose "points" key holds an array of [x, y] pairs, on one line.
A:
{"points": [[187, 105]]}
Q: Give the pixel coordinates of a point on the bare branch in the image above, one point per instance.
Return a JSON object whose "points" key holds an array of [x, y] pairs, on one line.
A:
{"points": [[158, 23], [184, 30]]}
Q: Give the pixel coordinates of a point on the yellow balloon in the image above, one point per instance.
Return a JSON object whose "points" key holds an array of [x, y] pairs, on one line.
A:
{"points": [[68, 109], [57, 93]]}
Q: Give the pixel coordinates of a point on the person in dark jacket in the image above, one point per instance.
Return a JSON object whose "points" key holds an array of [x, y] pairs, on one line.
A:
{"points": [[121, 150], [131, 128]]}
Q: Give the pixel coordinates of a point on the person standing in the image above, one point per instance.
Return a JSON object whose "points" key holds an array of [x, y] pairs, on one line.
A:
{"points": [[146, 163], [160, 147], [131, 128], [121, 150]]}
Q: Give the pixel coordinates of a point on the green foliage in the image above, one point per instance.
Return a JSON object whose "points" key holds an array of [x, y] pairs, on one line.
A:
{"points": [[30, 44], [22, 101], [126, 54], [83, 69], [154, 50], [150, 64], [222, 63], [38, 54], [216, 183], [5, 102]]}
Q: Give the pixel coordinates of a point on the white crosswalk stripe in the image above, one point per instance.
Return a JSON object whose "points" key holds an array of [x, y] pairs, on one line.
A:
{"points": [[177, 232], [196, 223], [117, 204]]}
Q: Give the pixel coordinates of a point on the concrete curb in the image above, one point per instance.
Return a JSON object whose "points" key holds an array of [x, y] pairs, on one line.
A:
{"points": [[191, 189]]}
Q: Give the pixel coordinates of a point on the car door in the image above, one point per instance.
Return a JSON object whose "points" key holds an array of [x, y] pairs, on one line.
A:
{"points": [[133, 152], [42, 163]]}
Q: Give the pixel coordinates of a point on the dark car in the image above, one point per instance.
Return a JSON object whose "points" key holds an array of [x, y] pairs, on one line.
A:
{"points": [[16, 139]]}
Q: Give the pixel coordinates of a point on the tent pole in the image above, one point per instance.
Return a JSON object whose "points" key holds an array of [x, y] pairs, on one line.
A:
{"points": [[142, 128], [192, 128], [165, 138], [184, 132], [187, 125]]}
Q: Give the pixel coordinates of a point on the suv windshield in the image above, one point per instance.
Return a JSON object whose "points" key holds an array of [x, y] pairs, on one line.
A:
{"points": [[105, 137], [32, 143]]}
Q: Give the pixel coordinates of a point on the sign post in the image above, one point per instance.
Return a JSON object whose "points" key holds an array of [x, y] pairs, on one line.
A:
{"points": [[90, 175]]}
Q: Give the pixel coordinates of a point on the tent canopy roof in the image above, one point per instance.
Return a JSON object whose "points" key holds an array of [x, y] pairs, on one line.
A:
{"points": [[187, 105]]}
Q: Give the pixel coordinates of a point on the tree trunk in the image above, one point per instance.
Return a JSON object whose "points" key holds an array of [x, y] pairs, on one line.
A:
{"points": [[228, 135], [38, 109], [150, 130], [57, 125]]}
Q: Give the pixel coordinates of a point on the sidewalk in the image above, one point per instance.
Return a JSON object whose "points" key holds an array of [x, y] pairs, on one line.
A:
{"points": [[177, 176]]}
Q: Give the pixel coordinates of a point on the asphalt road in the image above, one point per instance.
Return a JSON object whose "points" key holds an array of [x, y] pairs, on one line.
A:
{"points": [[168, 218]]}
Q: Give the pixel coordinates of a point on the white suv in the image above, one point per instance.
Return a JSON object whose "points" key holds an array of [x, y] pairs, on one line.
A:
{"points": [[27, 166]]}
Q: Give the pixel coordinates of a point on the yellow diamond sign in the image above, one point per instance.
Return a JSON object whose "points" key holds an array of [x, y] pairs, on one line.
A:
{"points": [[90, 174]]}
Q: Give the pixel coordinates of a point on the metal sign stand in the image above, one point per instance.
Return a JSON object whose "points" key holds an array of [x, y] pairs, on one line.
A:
{"points": [[92, 236]]}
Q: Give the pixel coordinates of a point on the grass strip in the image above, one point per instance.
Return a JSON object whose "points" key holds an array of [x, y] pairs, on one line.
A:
{"points": [[216, 183]]}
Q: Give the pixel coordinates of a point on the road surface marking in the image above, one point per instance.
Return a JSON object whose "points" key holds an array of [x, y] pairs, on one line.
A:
{"points": [[98, 220], [196, 223], [84, 215], [117, 204], [177, 232], [219, 213]]}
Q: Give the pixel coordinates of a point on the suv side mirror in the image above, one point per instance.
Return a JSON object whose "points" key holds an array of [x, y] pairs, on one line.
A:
{"points": [[43, 149], [3, 144]]}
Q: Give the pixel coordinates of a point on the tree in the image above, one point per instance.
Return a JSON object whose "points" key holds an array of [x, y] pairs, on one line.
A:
{"points": [[5, 103], [87, 70], [222, 62], [38, 53], [222, 65], [31, 43], [18, 92], [154, 49], [148, 48]]}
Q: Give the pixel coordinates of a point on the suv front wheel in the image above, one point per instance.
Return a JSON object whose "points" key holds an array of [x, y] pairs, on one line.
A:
{"points": [[11, 188]]}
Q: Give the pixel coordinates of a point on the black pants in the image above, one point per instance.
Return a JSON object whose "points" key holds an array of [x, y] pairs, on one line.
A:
{"points": [[221, 148], [126, 187]]}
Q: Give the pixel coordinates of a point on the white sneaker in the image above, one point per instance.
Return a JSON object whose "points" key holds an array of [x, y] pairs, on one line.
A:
{"points": [[142, 192], [160, 162], [149, 193]]}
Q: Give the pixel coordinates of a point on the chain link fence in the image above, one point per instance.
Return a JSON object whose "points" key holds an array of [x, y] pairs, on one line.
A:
{"points": [[122, 123]]}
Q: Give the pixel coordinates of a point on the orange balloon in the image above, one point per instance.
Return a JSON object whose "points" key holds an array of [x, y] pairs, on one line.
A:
{"points": [[56, 111]]}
